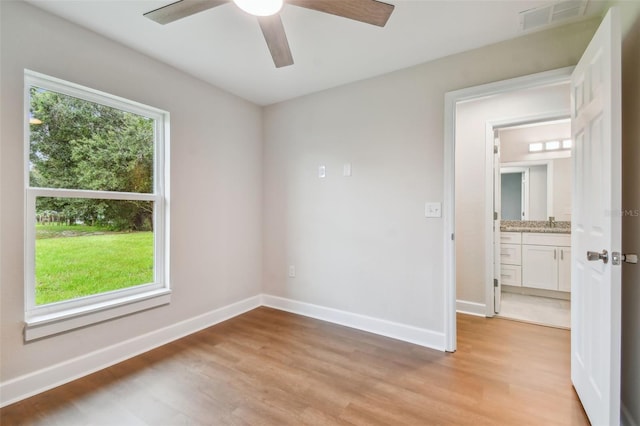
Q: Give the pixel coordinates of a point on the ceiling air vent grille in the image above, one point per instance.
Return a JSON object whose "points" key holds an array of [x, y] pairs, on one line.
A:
{"points": [[552, 14]]}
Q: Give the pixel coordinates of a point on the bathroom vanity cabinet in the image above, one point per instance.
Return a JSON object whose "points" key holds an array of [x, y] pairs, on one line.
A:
{"points": [[536, 260]]}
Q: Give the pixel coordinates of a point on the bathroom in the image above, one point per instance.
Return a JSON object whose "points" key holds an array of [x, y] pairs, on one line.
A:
{"points": [[535, 222]]}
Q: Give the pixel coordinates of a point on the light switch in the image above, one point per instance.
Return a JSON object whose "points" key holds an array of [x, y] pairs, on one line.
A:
{"points": [[433, 210], [346, 169], [322, 172]]}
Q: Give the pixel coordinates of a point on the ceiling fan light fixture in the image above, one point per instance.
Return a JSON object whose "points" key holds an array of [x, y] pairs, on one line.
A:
{"points": [[260, 7]]}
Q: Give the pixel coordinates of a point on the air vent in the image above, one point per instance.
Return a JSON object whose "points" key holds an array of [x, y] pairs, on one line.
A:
{"points": [[552, 14]]}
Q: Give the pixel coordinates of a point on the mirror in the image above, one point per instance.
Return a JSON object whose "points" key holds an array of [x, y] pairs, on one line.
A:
{"points": [[525, 192], [535, 184]]}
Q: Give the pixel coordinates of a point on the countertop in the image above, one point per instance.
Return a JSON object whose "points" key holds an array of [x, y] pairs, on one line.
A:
{"points": [[535, 226]]}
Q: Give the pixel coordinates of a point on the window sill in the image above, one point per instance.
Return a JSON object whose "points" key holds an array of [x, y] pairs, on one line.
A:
{"points": [[37, 327]]}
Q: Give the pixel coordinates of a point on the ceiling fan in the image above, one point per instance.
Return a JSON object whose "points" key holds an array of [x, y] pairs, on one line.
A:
{"points": [[372, 12]]}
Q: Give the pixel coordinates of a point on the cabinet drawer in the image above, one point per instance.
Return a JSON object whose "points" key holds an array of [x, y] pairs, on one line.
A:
{"points": [[510, 237], [541, 239], [511, 254], [511, 275]]}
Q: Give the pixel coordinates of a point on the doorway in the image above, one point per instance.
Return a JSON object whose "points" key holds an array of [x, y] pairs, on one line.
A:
{"points": [[532, 201], [475, 290], [596, 127]]}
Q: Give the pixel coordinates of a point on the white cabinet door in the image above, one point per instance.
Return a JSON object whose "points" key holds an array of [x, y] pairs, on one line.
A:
{"points": [[564, 269], [540, 267]]}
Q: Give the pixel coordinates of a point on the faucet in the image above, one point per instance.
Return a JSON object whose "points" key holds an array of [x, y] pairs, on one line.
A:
{"points": [[552, 222]]}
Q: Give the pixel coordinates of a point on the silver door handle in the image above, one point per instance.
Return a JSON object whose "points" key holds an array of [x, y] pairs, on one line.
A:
{"points": [[595, 256]]}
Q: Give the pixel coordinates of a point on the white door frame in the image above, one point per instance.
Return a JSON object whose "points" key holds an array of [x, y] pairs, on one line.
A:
{"points": [[561, 75]]}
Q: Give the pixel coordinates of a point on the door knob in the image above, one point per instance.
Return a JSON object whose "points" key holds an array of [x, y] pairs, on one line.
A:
{"points": [[595, 256]]}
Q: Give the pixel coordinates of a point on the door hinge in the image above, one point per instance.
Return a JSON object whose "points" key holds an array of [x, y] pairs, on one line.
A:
{"points": [[495, 215], [495, 149], [495, 282], [453, 237], [617, 258]]}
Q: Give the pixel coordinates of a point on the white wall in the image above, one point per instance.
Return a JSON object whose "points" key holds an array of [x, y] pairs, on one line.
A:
{"points": [[362, 243], [562, 189], [471, 121], [514, 142], [538, 193], [216, 157]]}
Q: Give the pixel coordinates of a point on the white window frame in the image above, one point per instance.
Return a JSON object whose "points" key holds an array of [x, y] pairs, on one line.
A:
{"points": [[54, 318]]}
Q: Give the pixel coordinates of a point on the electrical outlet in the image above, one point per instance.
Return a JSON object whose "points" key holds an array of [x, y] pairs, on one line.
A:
{"points": [[292, 271], [346, 169], [433, 210], [322, 172]]}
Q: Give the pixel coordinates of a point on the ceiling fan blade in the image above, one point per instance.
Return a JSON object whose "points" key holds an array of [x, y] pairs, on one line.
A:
{"points": [[180, 9], [276, 40], [369, 11]]}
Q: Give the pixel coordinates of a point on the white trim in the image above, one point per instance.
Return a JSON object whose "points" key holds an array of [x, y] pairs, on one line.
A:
{"points": [[100, 195], [448, 211], [489, 203], [404, 332], [625, 416], [471, 308], [41, 326], [558, 76], [47, 378]]}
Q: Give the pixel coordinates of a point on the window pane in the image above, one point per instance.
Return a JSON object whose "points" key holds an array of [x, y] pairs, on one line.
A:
{"points": [[77, 144], [86, 247]]}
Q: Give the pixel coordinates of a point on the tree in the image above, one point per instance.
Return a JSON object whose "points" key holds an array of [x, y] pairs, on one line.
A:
{"points": [[85, 145]]}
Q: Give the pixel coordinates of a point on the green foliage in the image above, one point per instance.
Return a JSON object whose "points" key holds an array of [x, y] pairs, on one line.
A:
{"points": [[72, 267], [85, 145]]}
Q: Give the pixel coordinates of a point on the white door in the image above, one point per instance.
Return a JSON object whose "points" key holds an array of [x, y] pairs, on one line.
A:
{"points": [[596, 224]]}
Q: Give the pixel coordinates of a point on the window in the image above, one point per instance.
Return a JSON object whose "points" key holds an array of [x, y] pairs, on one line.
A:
{"points": [[96, 231]]}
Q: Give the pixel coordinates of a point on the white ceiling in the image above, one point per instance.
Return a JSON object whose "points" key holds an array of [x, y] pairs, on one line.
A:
{"points": [[225, 47]]}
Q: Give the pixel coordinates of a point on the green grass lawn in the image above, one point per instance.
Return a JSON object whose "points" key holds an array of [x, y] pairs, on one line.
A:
{"points": [[76, 261]]}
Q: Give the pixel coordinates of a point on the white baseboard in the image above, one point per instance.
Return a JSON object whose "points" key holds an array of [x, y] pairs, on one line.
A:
{"points": [[625, 417], [39, 381], [471, 308], [407, 333]]}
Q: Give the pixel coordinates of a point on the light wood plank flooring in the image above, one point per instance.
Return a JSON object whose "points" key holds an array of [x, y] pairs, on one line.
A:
{"points": [[268, 367]]}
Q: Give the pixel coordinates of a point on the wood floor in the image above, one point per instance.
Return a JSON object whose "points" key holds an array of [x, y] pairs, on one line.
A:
{"points": [[268, 367]]}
